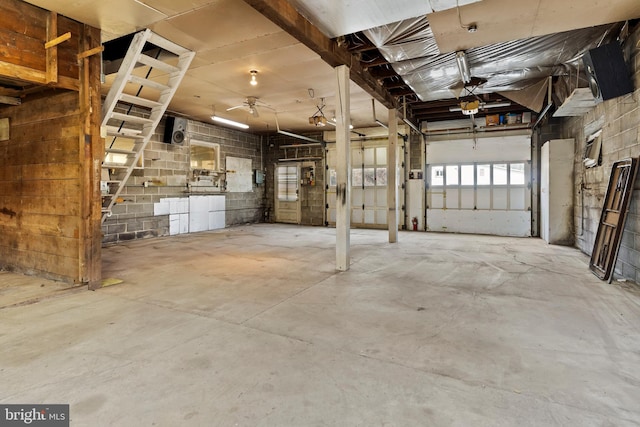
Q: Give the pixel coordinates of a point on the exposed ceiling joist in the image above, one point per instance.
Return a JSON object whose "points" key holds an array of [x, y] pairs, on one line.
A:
{"points": [[283, 14]]}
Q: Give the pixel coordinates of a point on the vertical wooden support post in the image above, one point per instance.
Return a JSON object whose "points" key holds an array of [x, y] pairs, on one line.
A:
{"points": [[51, 73], [91, 153], [343, 166], [392, 176]]}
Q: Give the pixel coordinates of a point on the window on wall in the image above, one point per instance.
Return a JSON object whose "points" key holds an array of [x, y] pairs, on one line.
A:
{"points": [[204, 155], [437, 176], [467, 175], [516, 174], [373, 172], [287, 183], [480, 174]]}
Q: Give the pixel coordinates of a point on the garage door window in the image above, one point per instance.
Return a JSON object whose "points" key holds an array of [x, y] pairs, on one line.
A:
{"points": [[491, 186]]}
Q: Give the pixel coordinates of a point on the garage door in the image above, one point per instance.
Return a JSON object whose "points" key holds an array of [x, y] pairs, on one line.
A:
{"points": [[480, 187], [368, 184]]}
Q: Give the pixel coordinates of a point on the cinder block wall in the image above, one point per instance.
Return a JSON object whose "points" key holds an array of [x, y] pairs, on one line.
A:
{"points": [[312, 201], [166, 170], [619, 119]]}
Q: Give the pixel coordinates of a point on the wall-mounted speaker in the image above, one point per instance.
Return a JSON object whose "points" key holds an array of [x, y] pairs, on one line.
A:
{"points": [[175, 130], [607, 72]]}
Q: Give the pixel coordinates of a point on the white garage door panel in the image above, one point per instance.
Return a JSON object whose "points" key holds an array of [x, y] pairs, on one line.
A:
{"points": [[500, 198], [480, 187], [484, 198], [518, 200], [467, 198], [453, 198], [437, 201], [516, 224], [356, 197], [492, 149]]}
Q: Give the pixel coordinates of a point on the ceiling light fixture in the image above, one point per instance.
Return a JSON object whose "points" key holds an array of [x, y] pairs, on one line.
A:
{"points": [[254, 79], [466, 106], [463, 66], [229, 122], [333, 122]]}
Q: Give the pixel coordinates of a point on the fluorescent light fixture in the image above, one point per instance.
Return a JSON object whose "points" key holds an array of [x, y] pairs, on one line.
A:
{"points": [[463, 66], [332, 122], [229, 122], [379, 123], [294, 135]]}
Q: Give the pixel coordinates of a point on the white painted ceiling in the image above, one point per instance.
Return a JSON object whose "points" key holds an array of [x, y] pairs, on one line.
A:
{"points": [[231, 38]]}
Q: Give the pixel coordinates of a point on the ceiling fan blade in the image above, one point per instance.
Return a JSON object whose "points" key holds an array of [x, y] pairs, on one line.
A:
{"points": [[254, 112], [234, 108]]}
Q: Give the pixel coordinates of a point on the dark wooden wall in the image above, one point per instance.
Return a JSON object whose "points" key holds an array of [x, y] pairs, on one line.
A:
{"points": [[50, 166]]}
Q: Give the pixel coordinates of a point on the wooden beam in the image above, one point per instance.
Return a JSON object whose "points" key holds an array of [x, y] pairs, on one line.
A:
{"points": [[56, 41], [283, 14], [30, 75], [90, 52], [10, 100]]}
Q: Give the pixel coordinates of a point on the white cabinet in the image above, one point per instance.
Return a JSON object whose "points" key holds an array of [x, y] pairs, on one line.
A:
{"points": [[556, 191]]}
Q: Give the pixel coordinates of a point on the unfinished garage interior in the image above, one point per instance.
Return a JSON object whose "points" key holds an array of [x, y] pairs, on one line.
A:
{"points": [[306, 213]]}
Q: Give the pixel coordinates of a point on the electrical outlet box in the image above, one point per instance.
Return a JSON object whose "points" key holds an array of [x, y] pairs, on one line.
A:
{"points": [[258, 177]]}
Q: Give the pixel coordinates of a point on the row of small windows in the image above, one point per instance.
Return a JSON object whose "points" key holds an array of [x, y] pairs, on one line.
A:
{"points": [[362, 177], [477, 174]]}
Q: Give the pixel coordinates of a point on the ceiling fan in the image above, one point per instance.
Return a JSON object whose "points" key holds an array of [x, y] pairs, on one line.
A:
{"points": [[250, 103]]}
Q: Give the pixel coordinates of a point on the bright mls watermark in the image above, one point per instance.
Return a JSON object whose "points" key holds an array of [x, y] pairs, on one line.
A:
{"points": [[34, 415]]}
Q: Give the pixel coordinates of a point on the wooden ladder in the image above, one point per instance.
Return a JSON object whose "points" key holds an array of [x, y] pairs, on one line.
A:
{"points": [[135, 104]]}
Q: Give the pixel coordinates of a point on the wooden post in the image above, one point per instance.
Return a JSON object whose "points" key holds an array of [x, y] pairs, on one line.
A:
{"points": [[51, 74], [343, 166], [392, 176], [91, 154]]}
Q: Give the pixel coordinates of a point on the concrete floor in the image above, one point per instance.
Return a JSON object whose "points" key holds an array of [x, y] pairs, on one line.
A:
{"points": [[252, 326]]}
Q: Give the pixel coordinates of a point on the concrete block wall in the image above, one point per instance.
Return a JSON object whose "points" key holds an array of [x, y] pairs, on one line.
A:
{"points": [[312, 198], [619, 119], [246, 207], [165, 174]]}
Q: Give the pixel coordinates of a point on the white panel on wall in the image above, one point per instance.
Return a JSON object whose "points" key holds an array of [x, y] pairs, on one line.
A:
{"points": [[216, 220], [174, 224], [161, 208], [239, 175], [184, 223]]}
